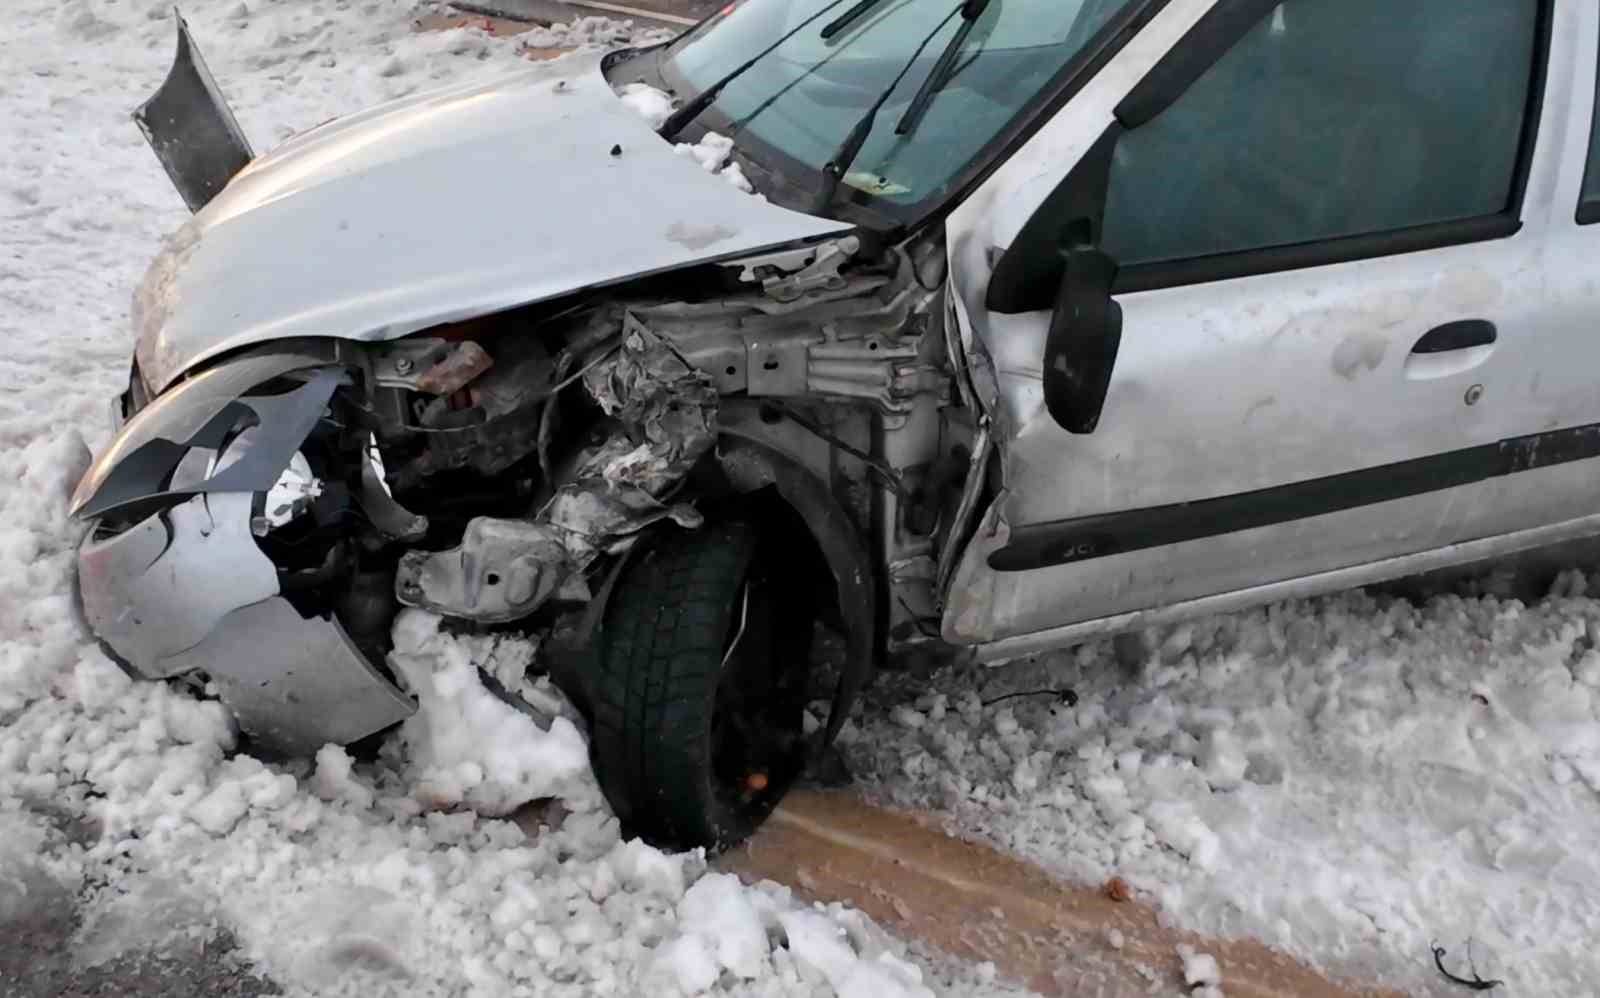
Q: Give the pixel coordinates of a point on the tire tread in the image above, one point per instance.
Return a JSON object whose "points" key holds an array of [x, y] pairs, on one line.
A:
{"points": [[655, 687]]}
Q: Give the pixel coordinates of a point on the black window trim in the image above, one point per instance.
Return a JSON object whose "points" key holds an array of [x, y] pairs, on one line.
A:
{"points": [[1589, 208], [1327, 252]]}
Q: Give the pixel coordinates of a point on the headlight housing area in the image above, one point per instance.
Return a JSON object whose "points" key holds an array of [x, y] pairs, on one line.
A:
{"points": [[173, 578], [206, 412]]}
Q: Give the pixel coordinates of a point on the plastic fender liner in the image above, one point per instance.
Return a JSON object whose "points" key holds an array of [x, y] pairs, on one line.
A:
{"points": [[750, 465], [191, 128]]}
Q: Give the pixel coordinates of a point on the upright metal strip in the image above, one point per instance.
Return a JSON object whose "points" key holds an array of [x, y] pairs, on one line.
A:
{"points": [[191, 129]]}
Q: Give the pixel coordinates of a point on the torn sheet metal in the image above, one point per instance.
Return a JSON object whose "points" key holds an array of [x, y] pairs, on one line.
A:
{"points": [[666, 412], [651, 388]]}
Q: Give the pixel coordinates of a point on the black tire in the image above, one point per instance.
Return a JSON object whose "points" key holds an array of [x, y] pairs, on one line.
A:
{"points": [[690, 749]]}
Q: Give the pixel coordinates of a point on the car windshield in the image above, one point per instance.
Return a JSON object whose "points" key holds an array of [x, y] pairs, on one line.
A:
{"points": [[801, 100]]}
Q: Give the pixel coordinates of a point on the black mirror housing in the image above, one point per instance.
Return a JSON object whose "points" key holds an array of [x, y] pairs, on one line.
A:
{"points": [[1085, 335]]}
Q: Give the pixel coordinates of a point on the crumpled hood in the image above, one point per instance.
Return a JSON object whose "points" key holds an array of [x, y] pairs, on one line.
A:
{"points": [[440, 207]]}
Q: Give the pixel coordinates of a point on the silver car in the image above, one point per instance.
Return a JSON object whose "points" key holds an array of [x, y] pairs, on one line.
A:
{"points": [[1046, 319]]}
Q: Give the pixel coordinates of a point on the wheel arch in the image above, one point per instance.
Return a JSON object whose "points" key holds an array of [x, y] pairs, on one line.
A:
{"points": [[750, 463]]}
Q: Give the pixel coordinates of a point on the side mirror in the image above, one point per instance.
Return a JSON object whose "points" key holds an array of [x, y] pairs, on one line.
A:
{"points": [[1085, 333]]}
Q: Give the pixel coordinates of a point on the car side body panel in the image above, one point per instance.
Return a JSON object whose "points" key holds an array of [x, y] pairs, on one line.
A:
{"points": [[1227, 388]]}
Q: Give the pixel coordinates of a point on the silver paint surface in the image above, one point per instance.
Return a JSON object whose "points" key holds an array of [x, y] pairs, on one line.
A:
{"points": [[440, 207], [159, 588], [295, 684]]}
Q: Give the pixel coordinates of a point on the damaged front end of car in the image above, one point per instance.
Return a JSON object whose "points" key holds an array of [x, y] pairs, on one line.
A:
{"points": [[263, 520], [494, 440]]}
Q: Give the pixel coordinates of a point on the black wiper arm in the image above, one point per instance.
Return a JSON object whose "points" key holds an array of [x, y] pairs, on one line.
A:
{"points": [[680, 118], [836, 167], [848, 18], [942, 70]]}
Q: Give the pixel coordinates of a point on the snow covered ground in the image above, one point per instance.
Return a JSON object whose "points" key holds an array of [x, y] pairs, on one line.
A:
{"points": [[1350, 779], [332, 878]]}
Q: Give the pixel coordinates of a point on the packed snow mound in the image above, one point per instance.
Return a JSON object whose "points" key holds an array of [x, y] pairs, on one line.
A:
{"points": [[650, 103], [40, 636], [729, 932], [1347, 778], [336, 880], [714, 153], [594, 33], [1200, 969], [468, 746]]}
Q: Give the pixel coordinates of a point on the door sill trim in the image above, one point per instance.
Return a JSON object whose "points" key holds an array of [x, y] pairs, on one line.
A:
{"points": [[1336, 580]]}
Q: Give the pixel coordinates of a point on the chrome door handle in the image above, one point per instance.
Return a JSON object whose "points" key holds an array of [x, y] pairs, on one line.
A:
{"points": [[1457, 336]]}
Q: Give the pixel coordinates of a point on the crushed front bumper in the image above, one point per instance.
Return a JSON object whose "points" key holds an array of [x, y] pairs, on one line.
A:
{"points": [[171, 576]]}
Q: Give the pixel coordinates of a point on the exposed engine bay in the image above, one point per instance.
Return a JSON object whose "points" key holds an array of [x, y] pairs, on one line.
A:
{"points": [[499, 471]]}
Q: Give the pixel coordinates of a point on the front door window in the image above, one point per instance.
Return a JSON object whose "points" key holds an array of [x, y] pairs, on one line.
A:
{"points": [[1331, 119]]}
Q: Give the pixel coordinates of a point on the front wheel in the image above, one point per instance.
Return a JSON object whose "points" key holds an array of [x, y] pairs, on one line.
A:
{"points": [[701, 686]]}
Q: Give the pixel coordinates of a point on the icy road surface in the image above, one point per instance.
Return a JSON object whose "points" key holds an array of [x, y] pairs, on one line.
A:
{"points": [[1350, 779]]}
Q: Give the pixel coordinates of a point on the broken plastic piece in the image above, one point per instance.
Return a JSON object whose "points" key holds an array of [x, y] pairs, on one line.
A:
{"points": [[380, 506], [191, 128]]}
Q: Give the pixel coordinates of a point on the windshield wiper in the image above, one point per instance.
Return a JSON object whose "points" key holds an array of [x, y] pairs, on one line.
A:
{"points": [[836, 167], [942, 70], [680, 118], [848, 18]]}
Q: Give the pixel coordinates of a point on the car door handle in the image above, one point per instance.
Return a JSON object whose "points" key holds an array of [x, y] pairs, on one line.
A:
{"points": [[1457, 336]]}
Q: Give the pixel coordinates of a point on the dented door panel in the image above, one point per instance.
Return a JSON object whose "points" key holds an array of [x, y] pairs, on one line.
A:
{"points": [[1261, 390]]}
